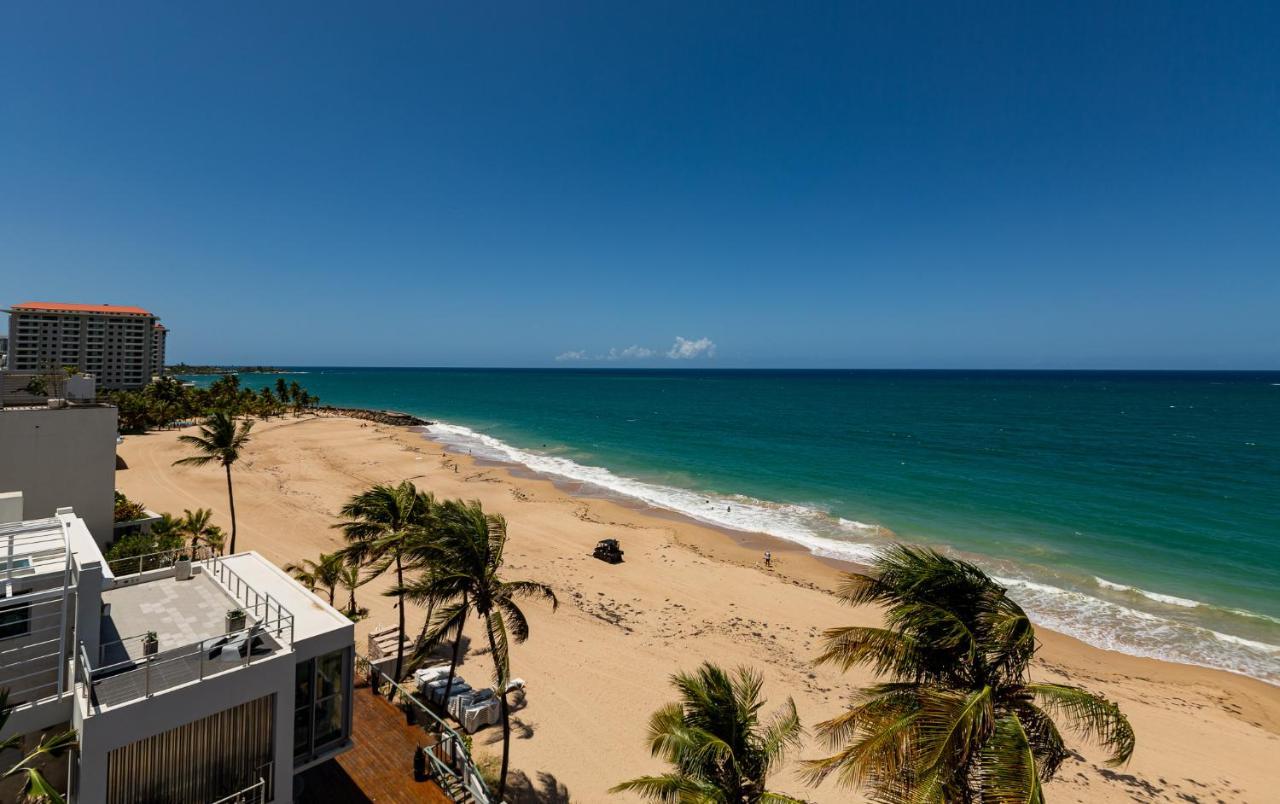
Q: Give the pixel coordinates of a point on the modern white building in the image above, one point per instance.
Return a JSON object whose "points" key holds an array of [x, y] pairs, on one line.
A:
{"points": [[116, 344], [184, 682], [62, 456]]}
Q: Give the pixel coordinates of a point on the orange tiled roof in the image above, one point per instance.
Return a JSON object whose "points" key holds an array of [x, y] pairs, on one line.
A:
{"points": [[62, 307]]}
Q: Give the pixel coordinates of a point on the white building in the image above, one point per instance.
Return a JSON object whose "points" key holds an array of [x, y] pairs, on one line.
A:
{"points": [[116, 344], [210, 709], [63, 456]]}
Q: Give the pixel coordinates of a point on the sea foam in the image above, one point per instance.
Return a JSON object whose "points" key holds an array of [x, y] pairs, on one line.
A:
{"points": [[1088, 617]]}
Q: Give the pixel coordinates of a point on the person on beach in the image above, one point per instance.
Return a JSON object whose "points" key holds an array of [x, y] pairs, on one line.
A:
{"points": [[768, 559]]}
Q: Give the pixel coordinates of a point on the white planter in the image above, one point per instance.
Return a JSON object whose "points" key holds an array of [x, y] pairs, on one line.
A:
{"points": [[182, 570]]}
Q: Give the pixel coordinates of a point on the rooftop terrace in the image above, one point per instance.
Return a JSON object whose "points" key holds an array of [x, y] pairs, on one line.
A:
{"points": [[189, 620]]}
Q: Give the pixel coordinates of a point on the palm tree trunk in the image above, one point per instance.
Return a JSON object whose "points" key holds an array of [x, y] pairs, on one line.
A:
{"points": [[457, 648], [231, 501], [333, 590], [400, 597], [506, 714]]}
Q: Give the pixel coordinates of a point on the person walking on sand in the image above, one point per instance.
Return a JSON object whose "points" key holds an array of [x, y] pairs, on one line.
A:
{"points": [[768, 559]]}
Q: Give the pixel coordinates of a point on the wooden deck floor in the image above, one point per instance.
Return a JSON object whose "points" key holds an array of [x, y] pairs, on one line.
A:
{"points": [[379, 766]]}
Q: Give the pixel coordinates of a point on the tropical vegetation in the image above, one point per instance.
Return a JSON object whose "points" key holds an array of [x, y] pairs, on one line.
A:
{"points": [[221, 440], [326, 573], [35, 787], [713, 737], [167, 402], [127, 510], [958, 719], [381, 525], [460, 576]]}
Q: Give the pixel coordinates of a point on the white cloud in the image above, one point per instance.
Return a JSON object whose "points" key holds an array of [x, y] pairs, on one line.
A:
{"points": [[630, 353], [685, 349]]}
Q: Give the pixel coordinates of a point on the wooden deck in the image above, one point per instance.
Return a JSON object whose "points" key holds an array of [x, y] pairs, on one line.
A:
{"points": [[379, 766]]}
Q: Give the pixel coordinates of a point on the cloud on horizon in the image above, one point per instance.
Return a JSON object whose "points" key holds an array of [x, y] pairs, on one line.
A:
{"points": [[685, 349], [682, 349]]}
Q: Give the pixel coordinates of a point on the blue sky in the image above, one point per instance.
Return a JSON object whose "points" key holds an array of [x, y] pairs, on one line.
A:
{"points": [[845, 184]]}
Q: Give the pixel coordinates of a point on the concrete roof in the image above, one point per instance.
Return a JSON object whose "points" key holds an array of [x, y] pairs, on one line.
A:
{"points": [[311, 615]]}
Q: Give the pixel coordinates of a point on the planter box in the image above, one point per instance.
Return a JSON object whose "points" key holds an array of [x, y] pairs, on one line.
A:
{"points": [[182, 570], [150, 647], [235, 621]]}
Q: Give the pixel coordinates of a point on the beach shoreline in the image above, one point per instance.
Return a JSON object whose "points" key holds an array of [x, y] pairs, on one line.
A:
{"points": [[687, 591]]}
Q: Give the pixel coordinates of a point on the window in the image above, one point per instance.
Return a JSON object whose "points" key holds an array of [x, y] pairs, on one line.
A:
{"points": [[15, 620], [319, 716]]}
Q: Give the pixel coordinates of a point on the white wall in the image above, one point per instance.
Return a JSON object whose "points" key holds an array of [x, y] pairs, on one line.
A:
{"points": [[128, 723], [64, 457]]}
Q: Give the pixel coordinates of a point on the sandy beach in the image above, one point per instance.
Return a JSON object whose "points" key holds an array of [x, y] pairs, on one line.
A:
{"points": [[598, 666]]}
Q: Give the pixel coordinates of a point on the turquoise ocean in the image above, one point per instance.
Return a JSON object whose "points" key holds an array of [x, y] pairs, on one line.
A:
{"points": [[1136, 511]]}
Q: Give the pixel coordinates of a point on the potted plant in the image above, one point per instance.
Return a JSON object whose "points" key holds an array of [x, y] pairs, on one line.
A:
{"points": [[235, 620], [182, 570], [150, 644]]}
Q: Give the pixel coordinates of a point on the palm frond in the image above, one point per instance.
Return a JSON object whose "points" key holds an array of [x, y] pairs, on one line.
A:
{"points": [[1008, 768], [1092, 716]]}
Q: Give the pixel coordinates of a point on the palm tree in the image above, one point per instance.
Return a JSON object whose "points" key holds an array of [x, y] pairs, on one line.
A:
{"points": [[349, 580], [220, 440], [36, 787], [462, 576], [380, 525], [959, 721], [326, 573], [199, 526], [713, 737]]}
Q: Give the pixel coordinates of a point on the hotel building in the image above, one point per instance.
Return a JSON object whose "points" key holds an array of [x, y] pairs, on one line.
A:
{"points": [[122, 347]]}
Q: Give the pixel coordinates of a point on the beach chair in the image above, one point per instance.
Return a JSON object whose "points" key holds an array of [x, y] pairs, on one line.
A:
{"points": [[477, 716], [425, 675]]}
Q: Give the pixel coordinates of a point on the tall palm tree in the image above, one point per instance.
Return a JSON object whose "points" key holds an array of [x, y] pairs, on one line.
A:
{"points": [[713, 737], [198, 525], [220, 440], [462, 576], [36, 787], [326, 573], [959, 720], [380, 525]]}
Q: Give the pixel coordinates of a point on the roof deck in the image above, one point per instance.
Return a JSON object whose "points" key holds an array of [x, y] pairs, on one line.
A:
{"points": [[179, 612], [193, 639]]}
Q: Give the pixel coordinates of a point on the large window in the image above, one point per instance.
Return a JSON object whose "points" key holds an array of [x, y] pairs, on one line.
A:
{"points": [[320, 712]]}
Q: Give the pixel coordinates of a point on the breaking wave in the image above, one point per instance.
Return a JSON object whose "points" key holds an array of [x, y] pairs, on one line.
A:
{"points": [[1105, 616]]}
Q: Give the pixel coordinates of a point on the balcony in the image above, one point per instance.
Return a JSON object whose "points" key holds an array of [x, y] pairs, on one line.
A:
{"points": [[188, 620]]}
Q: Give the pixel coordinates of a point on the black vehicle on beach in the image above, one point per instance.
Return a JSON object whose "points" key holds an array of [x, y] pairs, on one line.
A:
{"points": [[608, 550]]}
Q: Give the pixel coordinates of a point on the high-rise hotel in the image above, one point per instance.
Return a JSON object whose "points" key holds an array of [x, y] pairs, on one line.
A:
{"points": [[122, 347]]}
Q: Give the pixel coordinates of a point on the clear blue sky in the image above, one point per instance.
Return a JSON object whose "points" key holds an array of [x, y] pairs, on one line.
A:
{"points": [[844, 184]]}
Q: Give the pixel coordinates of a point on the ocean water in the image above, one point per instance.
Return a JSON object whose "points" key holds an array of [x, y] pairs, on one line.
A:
{"points": [[1136, 511]]}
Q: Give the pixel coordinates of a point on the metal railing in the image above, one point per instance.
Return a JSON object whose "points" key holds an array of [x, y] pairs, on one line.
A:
{"points": [[255, 793], [259, 605], [136, 677], [162, 559], [141, 677], [449, 757]]}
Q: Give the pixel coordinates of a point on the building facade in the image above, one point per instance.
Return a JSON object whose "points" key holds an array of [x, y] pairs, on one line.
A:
{"points": [[185, 681], [62, 457], [158, 334], [115, 344]]}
